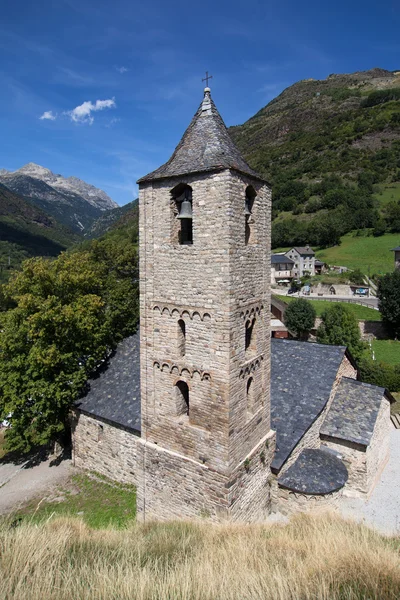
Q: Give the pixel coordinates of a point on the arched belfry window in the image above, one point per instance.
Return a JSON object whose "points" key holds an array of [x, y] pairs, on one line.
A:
{"points": [[182, 398], [181, 337], [182, 214], [248, 214]]}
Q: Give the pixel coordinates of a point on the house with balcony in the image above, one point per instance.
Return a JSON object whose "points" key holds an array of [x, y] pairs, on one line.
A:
{"points": [[281, 269]]}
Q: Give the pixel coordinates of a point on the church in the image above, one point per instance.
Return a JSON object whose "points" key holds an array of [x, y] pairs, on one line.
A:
{"points": [[201, 410]]}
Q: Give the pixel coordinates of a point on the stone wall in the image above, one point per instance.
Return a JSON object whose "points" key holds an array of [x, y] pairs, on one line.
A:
{"points": [[365, 464], [219, 286], [175, 485], [293, 502], [104, 448], [311, 437]]}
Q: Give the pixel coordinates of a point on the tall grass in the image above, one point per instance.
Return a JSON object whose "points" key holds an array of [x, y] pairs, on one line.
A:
{"points": [[319, 557]]}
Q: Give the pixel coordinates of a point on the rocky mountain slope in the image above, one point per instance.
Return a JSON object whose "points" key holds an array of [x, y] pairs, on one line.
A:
{"points": [[27, 231], [112, 218], [71, 201], [343, 124]]}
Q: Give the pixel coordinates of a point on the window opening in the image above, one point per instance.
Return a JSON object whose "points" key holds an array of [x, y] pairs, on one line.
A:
{"points": [[249, 335], [181, 337], [248, 214], [182, 391], [185, 216], [250, 395]]}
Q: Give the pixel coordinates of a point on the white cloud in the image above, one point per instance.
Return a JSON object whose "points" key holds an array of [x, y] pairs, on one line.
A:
{"points": [[112, 122], [83, 113], [122, 70], [48, 116]]}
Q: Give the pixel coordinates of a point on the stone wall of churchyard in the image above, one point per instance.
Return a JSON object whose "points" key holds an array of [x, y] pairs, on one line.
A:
{"points": [[365, 465], [290, 502], [217, 286], [311, 438], [177, 486], [104, 448]]}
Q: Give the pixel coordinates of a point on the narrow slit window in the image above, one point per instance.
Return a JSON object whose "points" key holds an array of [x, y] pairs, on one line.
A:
{"points": [[250, 395], [250, 335], [181, 337], [248, 215]]}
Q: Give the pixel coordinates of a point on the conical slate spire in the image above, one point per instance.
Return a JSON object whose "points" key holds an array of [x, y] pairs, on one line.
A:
{"points": [[205, 146]]}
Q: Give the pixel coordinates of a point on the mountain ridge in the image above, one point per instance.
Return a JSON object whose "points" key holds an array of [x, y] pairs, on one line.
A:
{"points": [[71, 201]]}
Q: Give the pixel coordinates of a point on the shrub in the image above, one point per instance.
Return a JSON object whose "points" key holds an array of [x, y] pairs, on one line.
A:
{"points": [[340, 327]]}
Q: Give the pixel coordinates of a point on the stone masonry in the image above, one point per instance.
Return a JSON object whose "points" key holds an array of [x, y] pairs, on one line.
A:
{"points": [[218, 286]]}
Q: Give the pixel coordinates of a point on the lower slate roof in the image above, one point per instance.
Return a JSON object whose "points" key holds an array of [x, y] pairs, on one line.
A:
{"points": [[114, 395], [315, 472], [353, 412], [302, 377]]}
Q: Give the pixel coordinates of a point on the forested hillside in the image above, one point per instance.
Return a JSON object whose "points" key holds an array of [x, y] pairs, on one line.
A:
{"points": [[27, 231], [325, 146]]}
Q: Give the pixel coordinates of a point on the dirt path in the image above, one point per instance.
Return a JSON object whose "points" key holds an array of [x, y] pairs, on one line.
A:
{"points": [[20, 483]]}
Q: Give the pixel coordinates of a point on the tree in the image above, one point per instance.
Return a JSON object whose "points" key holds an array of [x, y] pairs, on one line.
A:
{"points": [[340, 327], [66, 317], [300, 317], [357, 277], [388, 293]]}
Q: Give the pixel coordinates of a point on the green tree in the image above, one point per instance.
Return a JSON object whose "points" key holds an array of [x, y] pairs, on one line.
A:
{"points": [[388, 293], [340, 327], [300, 317], [357, 277], [66, 316]]}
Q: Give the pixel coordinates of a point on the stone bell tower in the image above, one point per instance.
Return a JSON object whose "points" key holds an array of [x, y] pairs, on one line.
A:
{"points": [[206, 444]]}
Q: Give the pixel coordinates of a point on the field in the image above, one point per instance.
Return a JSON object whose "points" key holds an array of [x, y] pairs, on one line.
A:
{"points": [[389, 193], [371, 255], [362, 313], [318, 557], [100, 502], [387, 351]]}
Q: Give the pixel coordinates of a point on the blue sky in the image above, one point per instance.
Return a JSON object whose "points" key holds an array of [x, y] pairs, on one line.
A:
{"points": [[118, 82]]}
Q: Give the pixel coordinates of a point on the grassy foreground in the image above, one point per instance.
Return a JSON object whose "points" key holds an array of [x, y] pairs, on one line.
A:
{"points": [[387, 351], [319, 558]]}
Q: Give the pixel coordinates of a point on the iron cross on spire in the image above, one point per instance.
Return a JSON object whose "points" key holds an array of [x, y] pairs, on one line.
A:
{"points": [[207, 77]]}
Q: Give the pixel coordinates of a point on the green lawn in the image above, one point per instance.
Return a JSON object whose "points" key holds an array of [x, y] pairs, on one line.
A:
{"points": [[100, 502], [363, 313], [389, 193], [387, 351], [371, 255]]}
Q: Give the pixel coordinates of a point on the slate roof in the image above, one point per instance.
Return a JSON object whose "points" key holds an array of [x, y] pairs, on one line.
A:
{"points": [[396, 249], [316, 472], [353, 412], [114, 395], [302, 376], [281, 259], [205, 146], [304, 250]]}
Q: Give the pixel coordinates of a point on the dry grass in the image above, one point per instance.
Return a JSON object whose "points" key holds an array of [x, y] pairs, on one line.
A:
{"points": [[311, 558]]}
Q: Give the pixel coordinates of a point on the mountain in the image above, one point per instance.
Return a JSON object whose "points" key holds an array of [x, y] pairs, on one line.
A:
{"points": [[71, 201], [330, 148], [336, 125], [112, 218], [27, 231]]}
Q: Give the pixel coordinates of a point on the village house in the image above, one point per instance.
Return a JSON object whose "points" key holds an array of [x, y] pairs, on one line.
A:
{"points": [[201, 410], [281, 269], [304, 261]]}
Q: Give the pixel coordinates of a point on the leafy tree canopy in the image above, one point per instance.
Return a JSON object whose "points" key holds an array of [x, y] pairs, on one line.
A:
{"points": [[60, 320], [389, 301], [340, 327], [300, 317]]}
